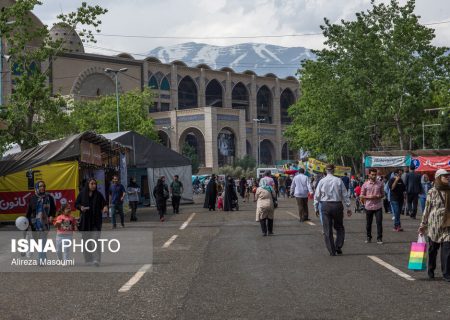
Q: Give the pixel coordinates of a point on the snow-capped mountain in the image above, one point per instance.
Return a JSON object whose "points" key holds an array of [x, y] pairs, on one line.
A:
{"points": [[258, 57]]}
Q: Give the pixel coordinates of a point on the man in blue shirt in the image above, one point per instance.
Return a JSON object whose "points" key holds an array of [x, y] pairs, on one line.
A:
{"points": [[116, 195]]}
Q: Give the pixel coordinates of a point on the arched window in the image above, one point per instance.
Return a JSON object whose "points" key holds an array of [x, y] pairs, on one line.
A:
{"points": [[239, 99], [187, 94], [152, 83], [165, 85], [213, 94], [264, 104], [226, 147], [287, 99]]}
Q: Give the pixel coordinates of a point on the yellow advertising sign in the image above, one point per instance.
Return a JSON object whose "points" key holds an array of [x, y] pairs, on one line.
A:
{"points": [[319, 166], [16, 189]]}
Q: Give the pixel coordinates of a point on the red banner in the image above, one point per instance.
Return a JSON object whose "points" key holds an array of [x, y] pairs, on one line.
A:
{"points": [[431, 163], [16, 202]]}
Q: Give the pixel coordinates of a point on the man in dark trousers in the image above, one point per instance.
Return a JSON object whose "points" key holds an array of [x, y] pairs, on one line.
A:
{"points": [[413, 189], [117, 194], [176, 189], [330, 193]]}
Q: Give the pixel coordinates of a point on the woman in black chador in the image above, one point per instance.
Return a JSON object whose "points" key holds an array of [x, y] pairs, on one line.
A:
{"points": [[230, 194], [211, 194]]}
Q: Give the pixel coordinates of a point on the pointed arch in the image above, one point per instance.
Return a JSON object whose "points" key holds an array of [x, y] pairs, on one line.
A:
{"points": [[240, 99], [287, 99], [214, 94], [264, 104], [187, 93], [165, 84], [153, 83]]}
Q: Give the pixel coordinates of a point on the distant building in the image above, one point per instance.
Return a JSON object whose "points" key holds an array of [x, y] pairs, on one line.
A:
{"points": [[212, 110]]}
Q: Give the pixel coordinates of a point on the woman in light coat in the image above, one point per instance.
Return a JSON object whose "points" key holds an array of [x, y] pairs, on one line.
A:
{"points": [[436, 223], [264, 207]]}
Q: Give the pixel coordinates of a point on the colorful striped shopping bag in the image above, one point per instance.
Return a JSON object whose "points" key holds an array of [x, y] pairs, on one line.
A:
{"points": [[418, 255]]}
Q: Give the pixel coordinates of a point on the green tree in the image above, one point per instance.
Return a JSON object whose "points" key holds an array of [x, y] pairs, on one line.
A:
{"points": [[100, 114], [32, 114], [189, 151], [246, 163], [371, 84]]}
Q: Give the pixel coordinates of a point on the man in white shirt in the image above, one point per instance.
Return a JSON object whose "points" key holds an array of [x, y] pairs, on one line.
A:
{"points": [[299, 189], [330, 193]]}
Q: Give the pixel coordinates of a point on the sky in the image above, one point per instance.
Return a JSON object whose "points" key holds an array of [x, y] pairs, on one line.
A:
{"points": [[213, 19]]}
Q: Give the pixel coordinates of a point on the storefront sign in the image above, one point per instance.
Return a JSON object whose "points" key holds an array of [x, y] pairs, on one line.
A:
{"points": [[431, 163], [382, 162]]}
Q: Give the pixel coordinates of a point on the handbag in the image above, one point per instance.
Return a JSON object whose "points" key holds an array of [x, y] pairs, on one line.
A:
{"points": [[275, 202], [418, 255]]}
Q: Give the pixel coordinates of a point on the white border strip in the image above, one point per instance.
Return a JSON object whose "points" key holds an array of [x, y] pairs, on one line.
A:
{"points": [[392, 268], [134, 279], [296, 217], [169, 242], [185, 224]]}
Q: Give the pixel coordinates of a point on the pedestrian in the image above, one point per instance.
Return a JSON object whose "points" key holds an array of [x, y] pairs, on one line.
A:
{"points": [[346, 181], [330, 193], [413, 189], [426, 186], [92, 205], [230, 195], [282, 186], [265, 207], [436, 223], [117, 194], [176, 189], [161, 194], [65, 225], [254, 188], [397, 189], [372, 194], [242, 187], [300, 189], [40, 212], [353, 184], [288, 184], [269, 180], [211, 194], [387, 196], [133, 191]]}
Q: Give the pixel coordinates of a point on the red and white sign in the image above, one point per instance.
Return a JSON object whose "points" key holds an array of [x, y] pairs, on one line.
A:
{"points": [[431, 163], [16, 202]]}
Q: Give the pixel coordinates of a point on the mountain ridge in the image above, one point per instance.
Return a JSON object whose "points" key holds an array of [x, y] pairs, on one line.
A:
{"points": [[258, 57]]}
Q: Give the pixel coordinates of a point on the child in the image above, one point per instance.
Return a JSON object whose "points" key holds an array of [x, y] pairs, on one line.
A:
{"points": [[219, 201], [65, 225], [247, 193], [254, 187]]}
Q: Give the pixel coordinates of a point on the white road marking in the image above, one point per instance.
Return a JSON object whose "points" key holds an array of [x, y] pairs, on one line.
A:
{"points": [[169, 242], [310, 223], [185, 224], [392, 268], [134, 279]]}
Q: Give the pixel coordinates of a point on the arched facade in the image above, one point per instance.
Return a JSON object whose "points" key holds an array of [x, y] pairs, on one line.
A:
{"points": [[264, 104], [285, 155], [226, 147], [287, 99], [195, 138], [240, 99], [248, 147], [214, 94], [187, 94]]}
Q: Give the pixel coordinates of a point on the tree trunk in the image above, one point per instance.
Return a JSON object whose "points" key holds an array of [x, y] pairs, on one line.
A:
{"points": [[355, 166], [400, 132]]}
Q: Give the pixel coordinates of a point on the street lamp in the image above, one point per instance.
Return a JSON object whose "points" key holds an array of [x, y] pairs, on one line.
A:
{"points": [[257, 120], [116, 72]]}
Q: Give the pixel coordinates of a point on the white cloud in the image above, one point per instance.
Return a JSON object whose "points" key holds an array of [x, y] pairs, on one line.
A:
{"points": [[204, 18]]}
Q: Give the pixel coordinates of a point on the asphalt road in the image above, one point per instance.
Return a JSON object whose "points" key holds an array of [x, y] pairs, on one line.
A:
{"points": [[220, 267]]}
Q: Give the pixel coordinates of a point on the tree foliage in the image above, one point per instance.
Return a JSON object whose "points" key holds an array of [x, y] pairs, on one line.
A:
{"points": [[369, 88], [32, 114], [100, 114], [189, 151]]}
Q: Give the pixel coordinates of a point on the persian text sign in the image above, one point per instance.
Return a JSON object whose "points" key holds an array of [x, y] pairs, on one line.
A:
{"points": [[382, 162], [431, 163], [17, 202]]}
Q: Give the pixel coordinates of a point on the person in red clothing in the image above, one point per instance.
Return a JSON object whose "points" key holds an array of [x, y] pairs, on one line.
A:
{"points": [[358, 190], [65, 225]]}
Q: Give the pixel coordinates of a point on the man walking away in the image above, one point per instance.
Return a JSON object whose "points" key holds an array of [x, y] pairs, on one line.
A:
{"points": [[299, 189], [346, 181], [116, 195], [330, 194], [413, 189], [372, 194], [176, 189]]}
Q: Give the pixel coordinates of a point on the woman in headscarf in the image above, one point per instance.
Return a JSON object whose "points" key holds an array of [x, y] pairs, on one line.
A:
{"points": [[436, 223], [92, 205], [230, 194], [133, 197], [40, 212], [161, 194], [211, 194], [264, 207]]}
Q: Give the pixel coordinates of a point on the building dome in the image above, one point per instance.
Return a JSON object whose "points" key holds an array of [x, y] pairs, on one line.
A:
{"points": [[71, 40]]}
